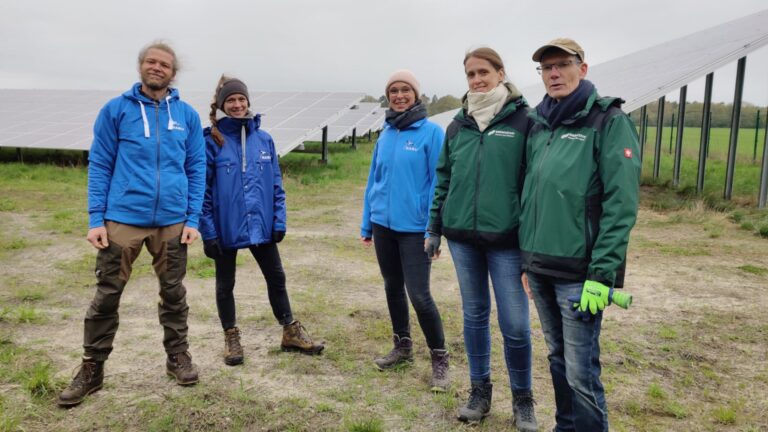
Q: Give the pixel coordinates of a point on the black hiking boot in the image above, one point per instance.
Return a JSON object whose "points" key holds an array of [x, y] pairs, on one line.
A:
{"points": [[523, 414], [479, 403], [89, 379]]}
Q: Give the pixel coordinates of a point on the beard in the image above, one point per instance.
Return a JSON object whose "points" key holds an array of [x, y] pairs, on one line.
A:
{"points": [[154, 83]]}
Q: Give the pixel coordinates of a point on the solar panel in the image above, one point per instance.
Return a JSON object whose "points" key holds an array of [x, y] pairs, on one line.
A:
{"points": [[349, 120], [373, 122], [63, 119], [646, 75]]}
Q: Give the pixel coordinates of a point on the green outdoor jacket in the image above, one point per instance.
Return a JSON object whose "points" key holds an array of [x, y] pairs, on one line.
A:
{"points": [[581, 194], [477, 196]]}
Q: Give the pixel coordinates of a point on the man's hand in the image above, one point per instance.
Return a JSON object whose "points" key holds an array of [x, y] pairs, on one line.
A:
{"points": [[278, 236], [367, 241], [432, 246], [189, 235], [98, 237], [526, 288], [594, 296]]}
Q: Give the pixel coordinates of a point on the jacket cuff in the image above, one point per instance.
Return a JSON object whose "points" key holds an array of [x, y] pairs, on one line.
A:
{"points": [[96, 219], [603, 279], [366, 233], [192, 223], [435, 229]]}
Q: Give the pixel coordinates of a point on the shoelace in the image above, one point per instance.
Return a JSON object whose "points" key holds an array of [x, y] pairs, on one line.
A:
{"points": [[233, 340], [83, 373], [525, 406], [475, 396]]}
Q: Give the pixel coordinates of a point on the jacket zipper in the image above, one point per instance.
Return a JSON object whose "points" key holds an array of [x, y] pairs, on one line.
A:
{"points": [[477, 181], [157, 163], [538, 180], [389, 189]]}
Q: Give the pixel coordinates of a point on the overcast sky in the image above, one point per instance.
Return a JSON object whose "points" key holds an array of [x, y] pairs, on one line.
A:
{"points": [[335, 45]]}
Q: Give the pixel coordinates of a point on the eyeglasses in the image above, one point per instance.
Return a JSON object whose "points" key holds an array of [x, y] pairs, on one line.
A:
{"points": [[547, 68]]}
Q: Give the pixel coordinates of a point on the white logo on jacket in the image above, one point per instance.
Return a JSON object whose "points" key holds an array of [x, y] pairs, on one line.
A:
{"points": [[502, 133], [176, 126], [265, 156], [410, 147], [573, 136]]}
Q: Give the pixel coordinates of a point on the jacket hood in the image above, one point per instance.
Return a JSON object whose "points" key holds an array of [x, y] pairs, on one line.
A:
{"points": [[231, 126], [604, 102], [514, 93], [134, 93]]}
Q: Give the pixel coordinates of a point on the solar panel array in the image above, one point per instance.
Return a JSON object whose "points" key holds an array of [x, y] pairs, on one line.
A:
{"points": [[63, 119], [646, 75], [350, 119], [373, 122]]}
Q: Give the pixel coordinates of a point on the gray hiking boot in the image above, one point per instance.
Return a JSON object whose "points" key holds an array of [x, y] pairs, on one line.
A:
{"points": [[479, 403], [401, 353], [523, 415], [89, 379], [233, 351], [180, 366], [440, 377]]}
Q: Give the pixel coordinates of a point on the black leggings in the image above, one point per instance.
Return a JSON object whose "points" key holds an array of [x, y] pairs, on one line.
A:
{"points": [[405, 266], [268, 258]]}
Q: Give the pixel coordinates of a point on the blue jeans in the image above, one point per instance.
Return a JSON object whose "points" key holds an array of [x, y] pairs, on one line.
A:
{"points": [[473, 265], [574, 355]]}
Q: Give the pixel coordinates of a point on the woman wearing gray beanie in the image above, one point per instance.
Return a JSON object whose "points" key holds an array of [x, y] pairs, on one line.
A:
{"points": [[244, 208], [396, 203]]}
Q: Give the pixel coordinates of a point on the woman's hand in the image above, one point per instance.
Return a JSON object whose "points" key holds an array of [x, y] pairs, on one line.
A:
{"points": [[526, 288], [367, 241]]}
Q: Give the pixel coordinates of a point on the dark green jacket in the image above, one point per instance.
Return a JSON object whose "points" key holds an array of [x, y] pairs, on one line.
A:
{"points": [[477, 196], [581, 194]]}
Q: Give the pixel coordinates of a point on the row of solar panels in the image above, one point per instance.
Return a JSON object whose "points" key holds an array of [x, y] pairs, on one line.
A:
{"points": [[63, 119], [646, 75]]}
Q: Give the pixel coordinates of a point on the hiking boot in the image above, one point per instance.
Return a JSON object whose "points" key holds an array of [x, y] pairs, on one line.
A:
{"points": [[523, 415], [296, 338], [89, 379], [479, 403], [440, 378], [401, 353], [180, 366], [233, 352]]}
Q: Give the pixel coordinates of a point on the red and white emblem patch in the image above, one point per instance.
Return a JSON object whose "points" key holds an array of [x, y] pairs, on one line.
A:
{"points": [[628, 153]]}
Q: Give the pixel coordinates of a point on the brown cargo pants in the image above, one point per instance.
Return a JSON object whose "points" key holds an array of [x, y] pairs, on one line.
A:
{"points": [[113, 269]]}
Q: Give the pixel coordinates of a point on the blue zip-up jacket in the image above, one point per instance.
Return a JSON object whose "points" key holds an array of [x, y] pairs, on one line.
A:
{"points": [[244, 197], [402, 178], [147, 162]]}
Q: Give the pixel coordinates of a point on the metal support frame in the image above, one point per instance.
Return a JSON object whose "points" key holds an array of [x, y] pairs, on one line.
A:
{"points": [[354, 138], [659, 129], [735, 116], [324, 154], [757, 132], [19, 156], [763, 194], [671, 131], [643, 130], [706, 118], [679, 140]]}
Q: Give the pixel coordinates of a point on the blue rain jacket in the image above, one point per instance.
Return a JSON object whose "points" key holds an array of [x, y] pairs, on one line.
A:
{"points": [[244, 197]]}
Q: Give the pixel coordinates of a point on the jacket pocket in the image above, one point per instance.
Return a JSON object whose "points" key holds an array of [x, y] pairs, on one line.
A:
{"points": [[592, 213]]}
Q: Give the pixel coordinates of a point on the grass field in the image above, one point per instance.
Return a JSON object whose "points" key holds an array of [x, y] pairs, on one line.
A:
{"points": [[689, 355]]}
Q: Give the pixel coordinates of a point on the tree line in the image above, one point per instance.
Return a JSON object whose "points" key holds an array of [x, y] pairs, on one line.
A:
{"points": [[721, 114], [721, 111]]}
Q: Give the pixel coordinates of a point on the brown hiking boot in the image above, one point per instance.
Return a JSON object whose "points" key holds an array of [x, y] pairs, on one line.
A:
{"points": [[440, 377], [400, 354], [180, 366], [233, 352], [296, 338], [89, 379]]}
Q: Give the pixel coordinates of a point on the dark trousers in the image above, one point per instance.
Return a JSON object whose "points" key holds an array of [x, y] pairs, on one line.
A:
{"points": [[113, 269], [405, 268], [268, 258]]}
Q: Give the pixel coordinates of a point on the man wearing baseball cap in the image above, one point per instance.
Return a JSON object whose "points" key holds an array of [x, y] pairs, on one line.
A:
{"points": [[580, 202]]}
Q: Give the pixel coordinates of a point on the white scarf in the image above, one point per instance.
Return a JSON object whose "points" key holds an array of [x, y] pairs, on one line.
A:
{"points": [[483, 107]]}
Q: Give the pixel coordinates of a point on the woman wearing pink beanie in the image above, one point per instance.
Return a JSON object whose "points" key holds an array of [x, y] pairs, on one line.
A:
{"points": [[395, 215]]}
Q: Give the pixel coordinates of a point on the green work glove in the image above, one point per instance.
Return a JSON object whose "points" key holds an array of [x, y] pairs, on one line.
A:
{"points": [[594, 296]]}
